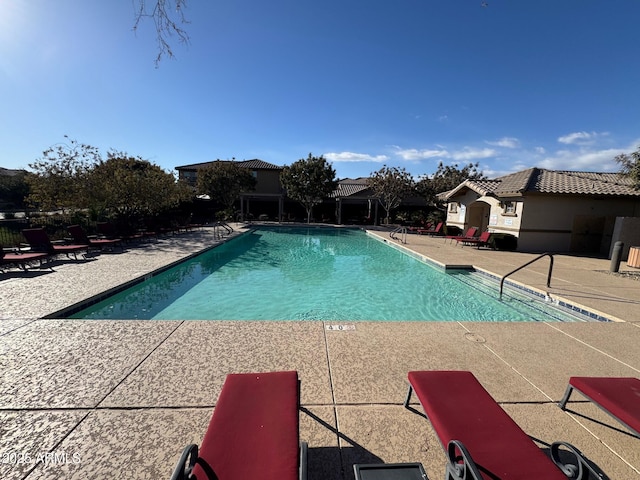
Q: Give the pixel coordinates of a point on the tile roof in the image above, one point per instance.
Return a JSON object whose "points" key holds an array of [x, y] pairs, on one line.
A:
{"points": [[10, 173], [255, 164], [540, 180], [348, 187]]}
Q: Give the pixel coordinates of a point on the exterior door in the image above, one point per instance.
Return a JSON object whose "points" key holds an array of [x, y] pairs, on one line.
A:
{"points": [[478, 215]]}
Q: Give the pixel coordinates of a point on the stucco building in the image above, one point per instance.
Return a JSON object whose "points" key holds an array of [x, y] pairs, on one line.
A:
{"points": [[549, 210], [267, 198]]}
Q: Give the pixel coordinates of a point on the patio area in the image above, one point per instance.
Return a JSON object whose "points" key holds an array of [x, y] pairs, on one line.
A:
{"points": [[120, 399]]}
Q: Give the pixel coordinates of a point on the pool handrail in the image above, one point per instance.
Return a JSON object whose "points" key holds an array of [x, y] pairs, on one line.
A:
{"points": [[546, 254], [401, 230]]}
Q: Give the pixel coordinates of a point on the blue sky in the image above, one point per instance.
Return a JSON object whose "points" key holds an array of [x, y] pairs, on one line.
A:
{"points": [[408, 83]]}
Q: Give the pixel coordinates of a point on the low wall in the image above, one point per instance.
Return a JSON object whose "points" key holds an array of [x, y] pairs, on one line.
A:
{"points": [[626, 230]]}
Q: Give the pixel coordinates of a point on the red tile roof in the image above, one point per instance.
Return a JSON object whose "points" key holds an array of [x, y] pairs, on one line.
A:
{"points": [[255, 164], [539, 180]]}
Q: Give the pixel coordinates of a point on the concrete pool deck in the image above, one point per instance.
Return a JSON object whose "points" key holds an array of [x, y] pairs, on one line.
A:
{"points": [[120, 399]]}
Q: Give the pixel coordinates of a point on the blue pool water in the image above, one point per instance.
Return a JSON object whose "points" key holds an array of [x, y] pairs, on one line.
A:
{"points": [[315, 274]]}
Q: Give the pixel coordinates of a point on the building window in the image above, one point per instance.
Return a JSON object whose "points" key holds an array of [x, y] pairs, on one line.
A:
{"points": [[508, 208], [188, 175], [453, 207]]}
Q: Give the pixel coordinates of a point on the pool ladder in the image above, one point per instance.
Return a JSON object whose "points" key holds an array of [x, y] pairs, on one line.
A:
{"points": [[526, 265], [217, 229], [402, 231]]}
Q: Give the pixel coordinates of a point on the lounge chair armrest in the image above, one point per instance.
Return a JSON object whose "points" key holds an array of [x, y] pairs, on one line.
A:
{"points": [[579, 469], [186, 463], [461, 466]]}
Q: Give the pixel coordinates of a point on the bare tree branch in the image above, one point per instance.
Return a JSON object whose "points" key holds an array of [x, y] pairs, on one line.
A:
{"points": [[168, 18]]}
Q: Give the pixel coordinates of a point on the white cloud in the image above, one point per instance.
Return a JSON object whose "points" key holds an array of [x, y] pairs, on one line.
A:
{"points": [[583, 160], [580, 138], [506, 142], [464, 154], [424, 154], [354, 157], [468, 153]]}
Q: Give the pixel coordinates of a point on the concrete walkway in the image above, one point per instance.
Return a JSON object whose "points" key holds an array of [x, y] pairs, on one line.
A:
{"points": [[119, 399]]}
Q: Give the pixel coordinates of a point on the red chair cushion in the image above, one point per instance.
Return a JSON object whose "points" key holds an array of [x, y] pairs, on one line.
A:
{"points": [[620, 396], [459, 408], [253, 432]]}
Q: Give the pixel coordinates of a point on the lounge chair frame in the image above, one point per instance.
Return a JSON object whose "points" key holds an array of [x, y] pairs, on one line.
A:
{"points": [[437, 230], [39, 241], [481, 241], [80, 237], [462, 466], [575, 382], [20, 259], [470, 234]]}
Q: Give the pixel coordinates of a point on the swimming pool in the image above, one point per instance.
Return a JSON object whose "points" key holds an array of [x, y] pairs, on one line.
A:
{"points": [[340, 274]]}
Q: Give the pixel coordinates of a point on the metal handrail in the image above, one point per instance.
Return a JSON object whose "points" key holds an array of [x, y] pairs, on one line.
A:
{"points": [[402, 230], [225, 225], [217, 229], [550, 255]]}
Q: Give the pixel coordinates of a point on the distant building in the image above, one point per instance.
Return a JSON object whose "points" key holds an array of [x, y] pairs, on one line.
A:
{"points": [[10, 173], [267, 198], [549, 210], [357, 204], [352, 202]]}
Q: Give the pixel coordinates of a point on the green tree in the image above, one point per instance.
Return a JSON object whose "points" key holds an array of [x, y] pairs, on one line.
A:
{"points": [[224, 182], [58, 180], [309, 181], [446, 178], [13, 189], [130, 188], [630, 166], [391, 185]]}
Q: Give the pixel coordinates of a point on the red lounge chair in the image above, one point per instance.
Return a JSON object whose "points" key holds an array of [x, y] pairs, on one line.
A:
{"points": [[20, 259], [108, 230], [423, 226], [39, 241], [431, 231], [470, 234], [481, 241], [481, 439], [618, 396], [80, 238], [253, 433]]}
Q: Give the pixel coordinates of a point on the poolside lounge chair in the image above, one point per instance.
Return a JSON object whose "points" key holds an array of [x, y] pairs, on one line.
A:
{"points": [[253, 433], [39, 241], [482, 442], [109, 231], [618, 396], [481, 241], [469, 234], [80, 238], [430, 231], [20, 259]]}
